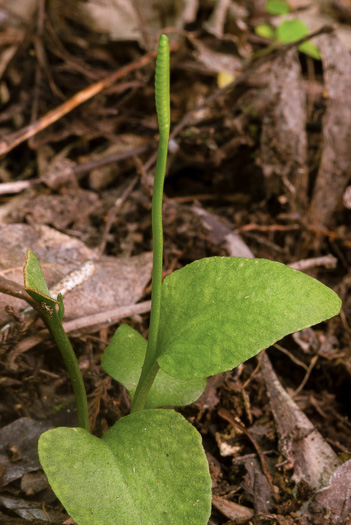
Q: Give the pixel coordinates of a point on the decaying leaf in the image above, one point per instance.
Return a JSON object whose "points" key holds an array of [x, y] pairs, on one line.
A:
{"points": [[123, 20], [115, 281], [69, 210], [216, 61], [20, 439], [334, 501], [257, 486]]}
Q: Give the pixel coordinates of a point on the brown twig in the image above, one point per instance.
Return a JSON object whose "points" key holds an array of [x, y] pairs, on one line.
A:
{"points": [[224, 414], [307, 376], [88, 322], [20, 185], [109, 317], [14, 289], [11, 141], [290, 356], [113, 212], [104, 161], [17, 186]]}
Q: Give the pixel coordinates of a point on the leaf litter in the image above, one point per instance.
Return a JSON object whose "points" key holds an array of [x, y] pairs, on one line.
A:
{"points": [[252, 171]]}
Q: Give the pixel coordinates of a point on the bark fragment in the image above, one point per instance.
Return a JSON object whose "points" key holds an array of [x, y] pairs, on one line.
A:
{"points": [[283, 139], [335, 169], [313, 460]]}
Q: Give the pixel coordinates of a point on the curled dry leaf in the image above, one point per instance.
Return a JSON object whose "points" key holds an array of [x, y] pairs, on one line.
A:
{"points": [[115, 281]]}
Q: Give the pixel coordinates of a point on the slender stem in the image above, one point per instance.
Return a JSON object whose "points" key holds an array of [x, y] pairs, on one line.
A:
{"points": [[150, 367], [143, 388], [71, 363], [149, 371]]}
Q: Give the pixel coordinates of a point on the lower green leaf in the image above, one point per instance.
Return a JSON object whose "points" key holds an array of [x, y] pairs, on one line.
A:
{"points": [[123, 360], [149, 468]]}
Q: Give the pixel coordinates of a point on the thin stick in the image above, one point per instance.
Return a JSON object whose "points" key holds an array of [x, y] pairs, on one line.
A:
{"points": [[11, 141]]}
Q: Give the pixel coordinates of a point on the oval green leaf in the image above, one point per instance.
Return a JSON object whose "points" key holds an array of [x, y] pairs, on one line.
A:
{"points": [[218, 312], [291, 31], [149, 468], [123, 360]]}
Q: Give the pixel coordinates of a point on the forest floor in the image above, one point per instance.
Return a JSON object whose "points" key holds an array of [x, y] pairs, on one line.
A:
{"points": [[259, 166]]}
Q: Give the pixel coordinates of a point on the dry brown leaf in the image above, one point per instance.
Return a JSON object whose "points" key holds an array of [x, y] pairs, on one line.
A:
{"points": [[332, 504], [115, 281], [20, 437], [71, 209], [123, 20], [257, 486], [14, 12], [216, 61]]}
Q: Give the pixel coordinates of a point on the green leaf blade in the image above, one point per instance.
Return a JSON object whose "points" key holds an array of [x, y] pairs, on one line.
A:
{"points": [[310, 49], [291, 31], [219, 312], [123, 360], [277, 7], [149, 468], [34, 281]]}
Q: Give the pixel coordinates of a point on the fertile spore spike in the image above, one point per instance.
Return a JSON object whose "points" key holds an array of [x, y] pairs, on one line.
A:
{"points": [[162, 84]]}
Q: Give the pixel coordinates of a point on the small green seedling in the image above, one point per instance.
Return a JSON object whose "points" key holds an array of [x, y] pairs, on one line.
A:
{"points": [[288, 31], [150, 467]]}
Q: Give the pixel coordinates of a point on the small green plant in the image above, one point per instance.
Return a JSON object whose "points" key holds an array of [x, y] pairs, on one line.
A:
{"points": [[150, 467], [288, 31]]}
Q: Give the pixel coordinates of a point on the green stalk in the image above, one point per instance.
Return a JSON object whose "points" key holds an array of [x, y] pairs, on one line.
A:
{"points": [[70, 359], [150, 366], [35, 285]]}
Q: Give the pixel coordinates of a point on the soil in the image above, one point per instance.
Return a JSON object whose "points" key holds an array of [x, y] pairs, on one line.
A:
{"points": [[259, 166]]}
